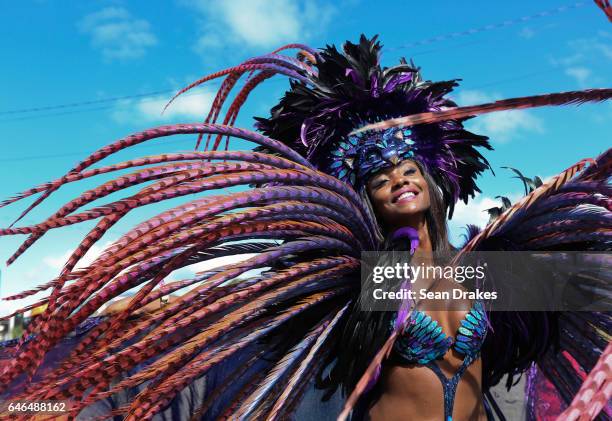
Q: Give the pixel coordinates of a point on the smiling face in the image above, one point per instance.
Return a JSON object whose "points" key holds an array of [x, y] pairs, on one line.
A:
{"points": [[400, 195]]}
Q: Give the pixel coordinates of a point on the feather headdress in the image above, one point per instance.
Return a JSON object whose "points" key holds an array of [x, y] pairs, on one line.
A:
{"points": [[351, 89]]}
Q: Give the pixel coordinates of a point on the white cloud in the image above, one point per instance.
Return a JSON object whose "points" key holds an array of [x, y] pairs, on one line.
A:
{"points": [[277, 20], [8, 307], [222, 261], [474, 213], [581, 74], [55, 262], [597, 46], [42, 273], [190, 271], [471, 97], [501, 126], [259, 23], [117, 34], [189, 106], [58, 261], [571, 60], [504, 125], [593, 52], [108, 13], [219, 261]]}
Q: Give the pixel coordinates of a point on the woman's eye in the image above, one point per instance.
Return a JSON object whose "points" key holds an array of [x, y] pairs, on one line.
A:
{"points": [[409, 171], [379, 183]]}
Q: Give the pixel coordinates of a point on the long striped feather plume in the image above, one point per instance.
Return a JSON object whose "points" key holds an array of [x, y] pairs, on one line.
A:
{"points": [[606, 7], [300, 375], [276, 377], [562, 98], [371, 374]]}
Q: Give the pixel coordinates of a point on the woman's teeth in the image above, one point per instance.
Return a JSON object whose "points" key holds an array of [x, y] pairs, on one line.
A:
{"points": [[406, 196]]}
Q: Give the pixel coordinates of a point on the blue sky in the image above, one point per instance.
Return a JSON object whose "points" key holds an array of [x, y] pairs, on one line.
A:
{"points": [[96, 50]]}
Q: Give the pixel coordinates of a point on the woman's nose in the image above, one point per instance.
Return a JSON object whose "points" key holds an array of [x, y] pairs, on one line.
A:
{"points": [[398, 181]]}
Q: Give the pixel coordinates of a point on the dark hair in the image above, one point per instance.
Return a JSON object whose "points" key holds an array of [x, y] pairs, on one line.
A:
{"points": [[365, 331]]}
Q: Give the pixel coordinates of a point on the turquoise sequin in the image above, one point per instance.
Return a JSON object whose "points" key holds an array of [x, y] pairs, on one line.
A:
{"points": [[422, 341]]}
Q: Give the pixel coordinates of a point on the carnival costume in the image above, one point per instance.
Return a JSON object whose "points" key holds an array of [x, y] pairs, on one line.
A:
{"points": [[266, 337]]}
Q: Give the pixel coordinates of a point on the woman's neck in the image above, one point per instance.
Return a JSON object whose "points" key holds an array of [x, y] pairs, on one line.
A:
{"points": [[425, 246]]}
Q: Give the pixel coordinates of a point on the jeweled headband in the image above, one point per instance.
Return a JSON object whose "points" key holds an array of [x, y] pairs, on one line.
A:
{"points": [[363, 155]]}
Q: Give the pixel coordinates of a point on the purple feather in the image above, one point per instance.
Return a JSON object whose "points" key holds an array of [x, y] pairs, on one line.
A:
{"points": [[409, 233]]}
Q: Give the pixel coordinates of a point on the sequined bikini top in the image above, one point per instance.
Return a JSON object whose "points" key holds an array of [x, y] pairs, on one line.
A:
{"points": [[423, 342]]}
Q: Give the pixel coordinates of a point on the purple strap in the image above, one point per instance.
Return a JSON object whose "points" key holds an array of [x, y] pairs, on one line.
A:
{"points": [[408, 233], [412, 235]]}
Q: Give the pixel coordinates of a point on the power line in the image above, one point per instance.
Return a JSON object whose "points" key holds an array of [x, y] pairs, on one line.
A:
{"points": [[146, 98], [82, 153], [109, 101], [490, 27], [510, 79], [84, 110], [81, 103], [106, 107], [78, 111], [78, 153], [438, 38]]}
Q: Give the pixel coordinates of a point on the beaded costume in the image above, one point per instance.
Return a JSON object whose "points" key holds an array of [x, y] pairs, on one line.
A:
{"points": [[423, 342]]}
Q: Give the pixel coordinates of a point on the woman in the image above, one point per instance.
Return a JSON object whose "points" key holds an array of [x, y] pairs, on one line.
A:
{"points": [[325, 190], [402, 197]]}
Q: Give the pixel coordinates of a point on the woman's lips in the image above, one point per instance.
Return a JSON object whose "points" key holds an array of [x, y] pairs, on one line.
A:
{"points": [[405, 197]]}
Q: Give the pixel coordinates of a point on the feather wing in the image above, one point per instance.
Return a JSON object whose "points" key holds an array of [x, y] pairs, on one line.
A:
{"points": [[305, 233], [572, 211]]}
